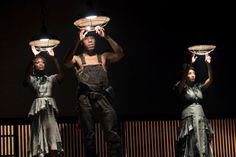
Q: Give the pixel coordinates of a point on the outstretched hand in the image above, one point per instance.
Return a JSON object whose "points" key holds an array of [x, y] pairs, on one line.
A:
{"points": [[82, 33], [207, 58], [194, 58], [35, 52], [100, 31], [51, 52]]}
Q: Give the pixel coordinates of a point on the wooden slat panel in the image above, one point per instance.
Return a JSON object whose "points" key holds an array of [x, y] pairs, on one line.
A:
{"points": [[158, 138], [152, 138]]}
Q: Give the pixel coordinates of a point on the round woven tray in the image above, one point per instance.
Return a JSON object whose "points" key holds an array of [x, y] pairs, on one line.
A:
{"points": [[91, 23], [43, 44], [201, 49]]}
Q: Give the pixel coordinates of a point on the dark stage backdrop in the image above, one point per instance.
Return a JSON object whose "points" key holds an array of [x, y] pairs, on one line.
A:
{"points": [[154, 36]]}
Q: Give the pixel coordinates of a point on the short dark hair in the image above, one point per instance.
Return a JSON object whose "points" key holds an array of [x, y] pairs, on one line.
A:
{"points": [[39, 56], [91, 33], [186, 67]]}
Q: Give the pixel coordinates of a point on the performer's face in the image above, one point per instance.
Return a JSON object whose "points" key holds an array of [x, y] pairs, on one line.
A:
{"points": [[89, 43], [191, 75], [39, 64]]}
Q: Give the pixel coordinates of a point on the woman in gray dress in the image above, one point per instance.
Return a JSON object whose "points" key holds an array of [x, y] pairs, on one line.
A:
{"points": [[195, 133], [45, 139]]}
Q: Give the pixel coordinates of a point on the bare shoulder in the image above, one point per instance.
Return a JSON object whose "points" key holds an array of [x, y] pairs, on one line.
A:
{"points": [[105, 54], [77, 60], [113, 56], [108, 56], [104, 58]]}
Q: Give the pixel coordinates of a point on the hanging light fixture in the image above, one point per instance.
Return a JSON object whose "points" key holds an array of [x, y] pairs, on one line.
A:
{"points": [[44, 40], [91, 18], [201, 49]]}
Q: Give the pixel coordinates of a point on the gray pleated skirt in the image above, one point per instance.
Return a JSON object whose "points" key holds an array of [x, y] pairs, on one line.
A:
{"points": [[194, 134], [45, 134]]}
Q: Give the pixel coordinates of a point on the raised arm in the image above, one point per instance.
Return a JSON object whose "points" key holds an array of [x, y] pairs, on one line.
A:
{"points": [[186, 67], [68, 59], [209, 80], [28, 72], [118, 51], [59, 69], [29, 67], [181, 83]]}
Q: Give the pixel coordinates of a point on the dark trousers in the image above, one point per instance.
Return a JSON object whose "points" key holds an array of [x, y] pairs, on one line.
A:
{"points": [[95, 107]]}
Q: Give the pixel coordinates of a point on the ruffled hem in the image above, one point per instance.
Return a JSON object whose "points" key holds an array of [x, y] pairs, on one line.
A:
{"points": [[42, 103], [195, 134], [41, 153], [186, 127]]}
